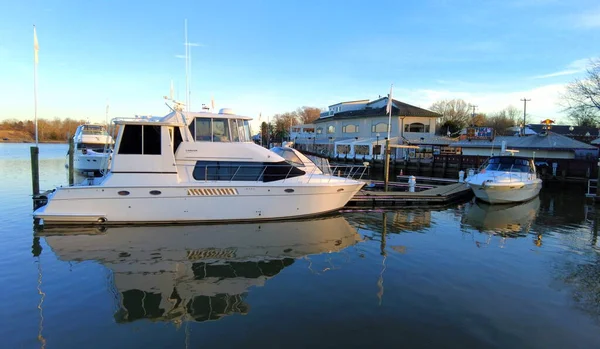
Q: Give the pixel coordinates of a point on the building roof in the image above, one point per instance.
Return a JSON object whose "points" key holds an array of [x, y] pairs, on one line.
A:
{"points": [[398, 109], [352, 102], [428, 139], [564, 129], [551, 141]]}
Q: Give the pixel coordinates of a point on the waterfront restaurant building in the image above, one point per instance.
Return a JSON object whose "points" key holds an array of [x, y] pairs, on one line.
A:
{"points": [[358, 129]]}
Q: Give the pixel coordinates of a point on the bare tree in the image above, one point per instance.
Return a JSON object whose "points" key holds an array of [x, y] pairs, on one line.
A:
{"points": [[455, 113], [584, 116], [307, 115], [502, 120], [584, 94]]}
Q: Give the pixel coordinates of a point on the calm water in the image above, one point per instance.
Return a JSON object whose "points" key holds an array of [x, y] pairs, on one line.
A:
{"points": [[470, 276]]}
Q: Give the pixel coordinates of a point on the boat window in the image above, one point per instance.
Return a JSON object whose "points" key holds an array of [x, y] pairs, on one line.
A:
{"points": [[241, 132], [140, 139], [235, 136], [247, 130], [244, 171], [508, 164], [151, 139], [289, 156], [203, 130], [94, 130], [178, 139], [220, 130], [192, 128], [131, 140]]}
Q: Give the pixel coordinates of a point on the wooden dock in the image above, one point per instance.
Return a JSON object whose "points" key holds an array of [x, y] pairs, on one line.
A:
{"points": [[437, 196]]}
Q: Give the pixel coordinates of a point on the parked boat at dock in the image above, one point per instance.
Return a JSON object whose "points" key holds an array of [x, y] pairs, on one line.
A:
{"points": [[92, 149], [195, 167], [506, 179]]}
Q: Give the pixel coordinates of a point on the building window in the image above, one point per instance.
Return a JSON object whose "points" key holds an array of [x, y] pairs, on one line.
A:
{"points": [[380, 127], [319, 130], [331, 129], [350, 129], [416, 127]]}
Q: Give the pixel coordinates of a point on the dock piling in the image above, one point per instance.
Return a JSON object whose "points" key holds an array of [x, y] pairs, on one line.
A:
{"points": [[71, 155], [35, 170]]}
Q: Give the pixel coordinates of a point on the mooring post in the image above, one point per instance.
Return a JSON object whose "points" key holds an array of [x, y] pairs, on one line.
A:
{"points": [[598, 182], [35, 170], [387, 164], [71, 155]]}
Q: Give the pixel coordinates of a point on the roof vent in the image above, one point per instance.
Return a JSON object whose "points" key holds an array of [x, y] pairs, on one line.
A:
{"points": [[227, 111]]}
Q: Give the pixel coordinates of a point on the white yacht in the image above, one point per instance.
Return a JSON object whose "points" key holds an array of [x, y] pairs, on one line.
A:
{"points": [[92, 149], [506, 179], [195, 167], [199, 272]]}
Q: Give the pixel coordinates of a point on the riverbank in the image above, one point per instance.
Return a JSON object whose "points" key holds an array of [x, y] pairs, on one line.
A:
{"points": [[11, 136]]}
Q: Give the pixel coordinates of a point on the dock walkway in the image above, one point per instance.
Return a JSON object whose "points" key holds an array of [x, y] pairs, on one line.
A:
{"points": [[439, 196]]}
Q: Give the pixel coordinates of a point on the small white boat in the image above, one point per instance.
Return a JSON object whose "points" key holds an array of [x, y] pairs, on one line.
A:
{"points": [[506, 179], [92, 149], [195, 167]]}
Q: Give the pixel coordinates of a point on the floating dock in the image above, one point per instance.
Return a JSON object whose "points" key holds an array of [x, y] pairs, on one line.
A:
{"points": [[438, 195]]}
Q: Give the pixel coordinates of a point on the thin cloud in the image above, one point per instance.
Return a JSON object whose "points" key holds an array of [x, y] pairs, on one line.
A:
{"points": [[589, 19], [574, 67]]}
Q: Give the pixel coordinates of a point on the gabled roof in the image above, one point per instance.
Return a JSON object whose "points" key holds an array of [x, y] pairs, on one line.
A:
{"points": [[551, 141], [398, 109], [564, 129]]}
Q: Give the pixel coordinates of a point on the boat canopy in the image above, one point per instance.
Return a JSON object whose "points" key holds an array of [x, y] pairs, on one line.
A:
{"points": [[510, 164]]}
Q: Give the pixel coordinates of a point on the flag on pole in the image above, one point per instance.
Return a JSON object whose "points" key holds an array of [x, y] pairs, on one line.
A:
{"points": [[36, 46], [212, 103], [388, 108]]}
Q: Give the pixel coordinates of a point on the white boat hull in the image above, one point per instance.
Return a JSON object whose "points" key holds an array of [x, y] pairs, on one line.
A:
{"points": [[89, 162], [185, 203], [504, 194]]}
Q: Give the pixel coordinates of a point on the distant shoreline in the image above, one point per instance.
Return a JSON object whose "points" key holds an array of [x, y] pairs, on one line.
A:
{"points": [[31, 142]]}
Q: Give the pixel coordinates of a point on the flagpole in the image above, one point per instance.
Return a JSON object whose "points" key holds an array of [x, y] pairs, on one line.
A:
{"points": [[390, 103], [35, 62]]}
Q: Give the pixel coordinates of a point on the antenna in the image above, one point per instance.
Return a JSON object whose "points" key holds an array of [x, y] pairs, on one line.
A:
{"points": [[187, 80]]}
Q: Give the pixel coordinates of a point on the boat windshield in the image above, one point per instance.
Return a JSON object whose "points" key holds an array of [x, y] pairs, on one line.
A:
{"points": [[509, 164], [288, 155], [94, 130], [220, 130]]}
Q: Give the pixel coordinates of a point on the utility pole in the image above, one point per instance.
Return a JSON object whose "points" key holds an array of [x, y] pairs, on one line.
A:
{"points": [[473, 115], [524, 100]]}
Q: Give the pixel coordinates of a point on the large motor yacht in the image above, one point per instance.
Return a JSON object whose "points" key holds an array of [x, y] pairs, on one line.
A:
{"points": [[92, 149], [200, 167], [506, 179]]}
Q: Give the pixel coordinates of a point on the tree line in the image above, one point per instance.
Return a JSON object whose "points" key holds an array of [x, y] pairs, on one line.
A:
{"points": [[458, 114], [278, 128], [55, 130]]}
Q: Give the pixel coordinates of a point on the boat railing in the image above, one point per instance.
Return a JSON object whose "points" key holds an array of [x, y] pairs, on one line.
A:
{"points": [[355, 172]]}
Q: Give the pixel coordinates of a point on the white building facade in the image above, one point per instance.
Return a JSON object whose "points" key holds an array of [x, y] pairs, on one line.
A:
{"points": [[359, 129]]}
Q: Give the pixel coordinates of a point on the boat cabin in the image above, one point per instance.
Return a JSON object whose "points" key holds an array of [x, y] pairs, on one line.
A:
{"points": [[509, 164], [196, 147]]}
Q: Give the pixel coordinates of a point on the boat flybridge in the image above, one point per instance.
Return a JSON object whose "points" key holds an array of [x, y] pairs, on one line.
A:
{"points": [[195, 167], [92, 148], [506, 179]]}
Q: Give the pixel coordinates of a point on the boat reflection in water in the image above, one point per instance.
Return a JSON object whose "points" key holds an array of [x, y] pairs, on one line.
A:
{"points": [[202, 272], [515, 220]]}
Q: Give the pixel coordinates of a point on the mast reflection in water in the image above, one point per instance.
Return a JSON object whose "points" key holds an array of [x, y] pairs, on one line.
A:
{"points": [[202, 272]]}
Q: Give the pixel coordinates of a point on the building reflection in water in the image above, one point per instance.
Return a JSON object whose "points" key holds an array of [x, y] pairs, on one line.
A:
{"points": [[201, 272]]}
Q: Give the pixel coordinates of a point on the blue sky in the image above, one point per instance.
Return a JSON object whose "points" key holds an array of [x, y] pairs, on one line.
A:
{"points": [[275, 56]]}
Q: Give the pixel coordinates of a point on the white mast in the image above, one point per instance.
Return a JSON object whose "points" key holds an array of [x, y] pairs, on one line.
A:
{"points": [[187, 81], [36, 48]]}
